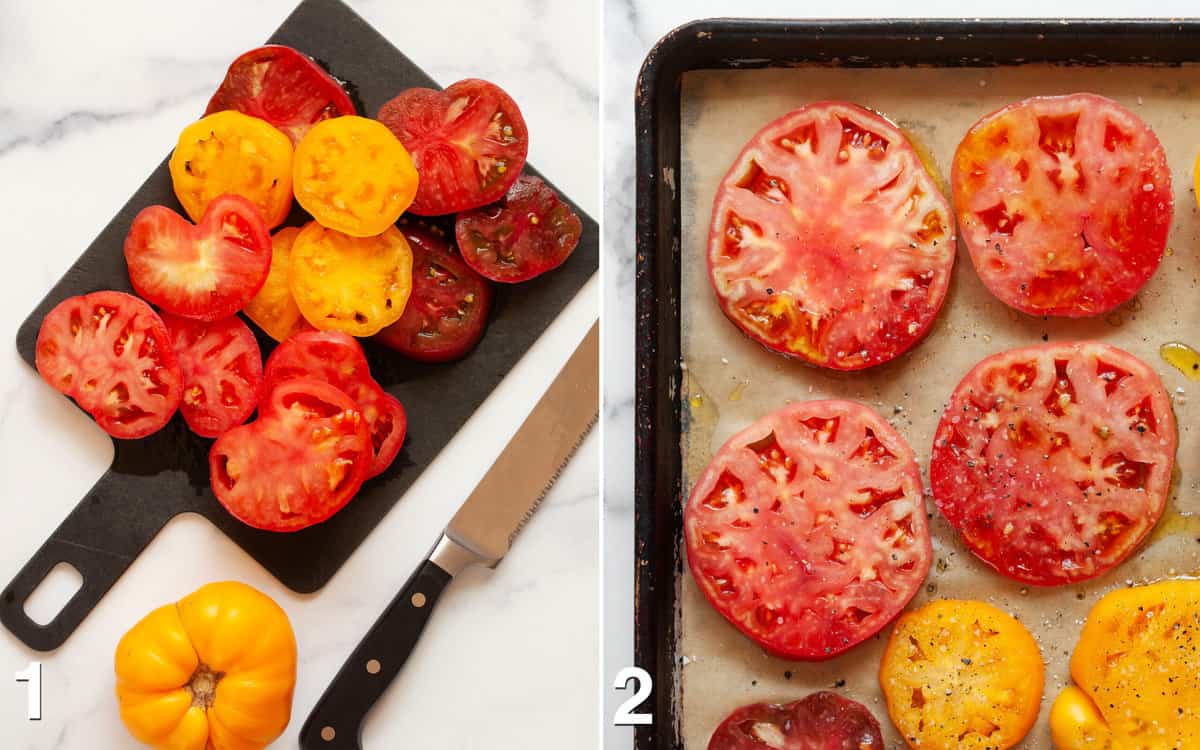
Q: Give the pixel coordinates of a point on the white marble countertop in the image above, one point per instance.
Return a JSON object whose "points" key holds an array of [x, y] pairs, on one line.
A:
{"points": [[631, 28], [92, 97]]}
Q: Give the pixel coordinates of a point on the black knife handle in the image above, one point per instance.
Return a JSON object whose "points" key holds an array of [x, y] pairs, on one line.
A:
{"points": [[336, 721]]}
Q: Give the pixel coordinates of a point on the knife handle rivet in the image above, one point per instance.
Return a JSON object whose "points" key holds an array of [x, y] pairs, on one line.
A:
{"points": [[418, 600], [373, 666], [328, 733]]}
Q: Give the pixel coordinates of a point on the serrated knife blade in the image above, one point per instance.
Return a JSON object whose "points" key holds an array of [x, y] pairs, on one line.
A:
{"points": [[481, 532]]}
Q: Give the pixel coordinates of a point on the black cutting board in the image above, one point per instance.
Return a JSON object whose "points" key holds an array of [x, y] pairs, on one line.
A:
{"points": [[156, 478]]}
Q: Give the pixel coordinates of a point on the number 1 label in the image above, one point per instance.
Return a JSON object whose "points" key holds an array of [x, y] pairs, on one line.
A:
{"points": [[33, 675]]}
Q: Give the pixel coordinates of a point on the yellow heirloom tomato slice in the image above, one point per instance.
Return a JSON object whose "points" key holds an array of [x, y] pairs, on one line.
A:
{"points": [[354, 176], [357, 285], [229, 152], [214, 671], [961, 675], [273, 308], [1136, 670]]}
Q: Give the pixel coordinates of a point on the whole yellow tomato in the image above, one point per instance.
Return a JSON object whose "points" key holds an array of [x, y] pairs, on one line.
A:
{"points": [[214, 671]]}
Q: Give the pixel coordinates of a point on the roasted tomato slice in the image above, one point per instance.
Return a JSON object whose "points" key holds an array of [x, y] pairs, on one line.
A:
{"points": [[222, 372], [297, 464], [273, 308], [469, 143], [530, 231], [1054, 461], [111, 353], [338, 359], [352, 175], [233, 153], [282, 86], [961, 675], [829, 239], [448, 308], [1064, 202], [1134, 672], [207, 271], [820, 721], [358, 285], [807, 529]]}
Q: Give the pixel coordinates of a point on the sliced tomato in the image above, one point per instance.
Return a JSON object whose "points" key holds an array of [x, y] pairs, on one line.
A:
{"points": [[338, 359], [300, 462], [469, 143], [273, 308], [206, 271], [222, 372], [229, 152], [530, 231], [357, 285], [111, 353], [283, 86], [820, 721], [830, 241], [1054, 461], [1065, 203], [961, 675], [353, 176], [807, 529], [447, 311]]}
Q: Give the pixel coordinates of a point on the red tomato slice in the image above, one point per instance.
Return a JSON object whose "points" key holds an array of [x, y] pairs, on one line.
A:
{"points": [[338, 359], [205, 271], [282, 86], [222, 372], [300, 462], [469, 143], [529, 232], [111, 353], [1065, 203], [807, 530], [1054, 461], [820, 721], [448, 307], [829, 239]]}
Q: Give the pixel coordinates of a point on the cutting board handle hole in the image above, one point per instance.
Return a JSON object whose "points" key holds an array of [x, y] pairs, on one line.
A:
{"points": [[55, 591]]}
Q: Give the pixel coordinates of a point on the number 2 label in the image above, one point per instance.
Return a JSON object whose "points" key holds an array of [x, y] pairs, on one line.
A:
{"points": [[33, 675], [643, 687]]}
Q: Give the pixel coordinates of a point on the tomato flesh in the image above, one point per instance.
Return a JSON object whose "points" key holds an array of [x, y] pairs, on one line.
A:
{"points": [[207, 271], [448, 308], [222, 372], [1053, 462], [807, 529], [531, 231], [282, 86], [338, 359], [300, 462], [819, 721], [111, 353], [469, 143], [1065, 203], [830, 241]]}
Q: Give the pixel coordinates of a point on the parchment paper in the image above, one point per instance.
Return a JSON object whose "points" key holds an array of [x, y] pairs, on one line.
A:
{"points": [[730, 381]]}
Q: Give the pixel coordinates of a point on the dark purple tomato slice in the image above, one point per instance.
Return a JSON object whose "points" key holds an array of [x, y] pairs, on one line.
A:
{"points": [[528, 232], [448, 308], [821, 721]]}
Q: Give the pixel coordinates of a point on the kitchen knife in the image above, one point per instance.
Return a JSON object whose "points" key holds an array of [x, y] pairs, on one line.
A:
{"points": [[479, 534]]}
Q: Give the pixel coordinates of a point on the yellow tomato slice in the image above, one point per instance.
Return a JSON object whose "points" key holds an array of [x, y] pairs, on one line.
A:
{"points": [[357, 285], [354, 176], [229, 152], [961, 675], [1135, 670], [273, 308]]}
